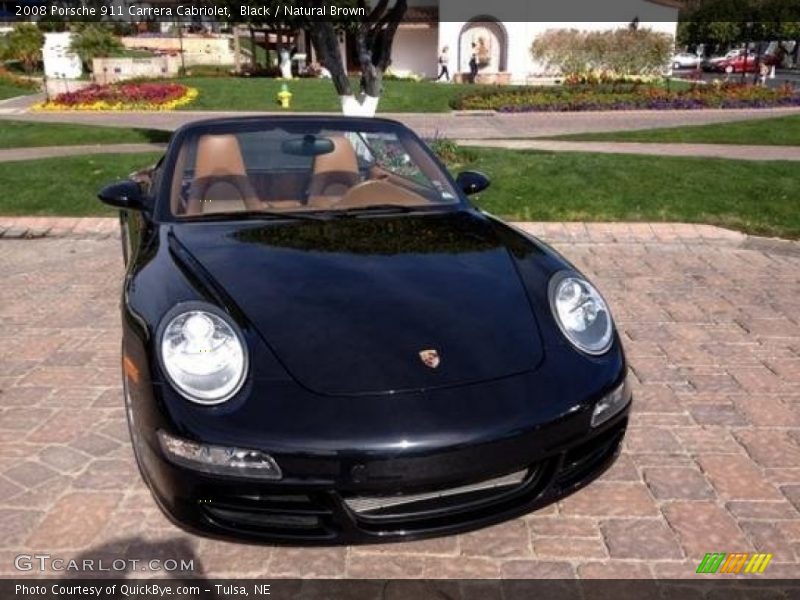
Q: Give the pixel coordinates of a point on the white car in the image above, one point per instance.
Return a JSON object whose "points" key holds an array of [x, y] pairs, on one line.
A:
{"points": [[685, 60]]}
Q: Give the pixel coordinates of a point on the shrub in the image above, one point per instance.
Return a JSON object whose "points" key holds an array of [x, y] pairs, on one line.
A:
{"points": [[450, 153], [209, 71], [94, 41], [24, 44], [10, 79], [625, 52], [271, 71], [627, 97], [391, 75]]}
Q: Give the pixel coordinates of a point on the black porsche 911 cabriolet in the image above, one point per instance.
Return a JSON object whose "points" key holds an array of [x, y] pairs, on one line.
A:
{"points": [[325, 342]]}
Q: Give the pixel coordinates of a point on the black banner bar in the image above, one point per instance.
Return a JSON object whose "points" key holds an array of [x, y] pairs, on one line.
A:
{"points": [[378, 589], [267, 12]]}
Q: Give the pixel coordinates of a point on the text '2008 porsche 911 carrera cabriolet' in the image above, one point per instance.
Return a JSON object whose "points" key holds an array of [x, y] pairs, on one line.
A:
{"points": [[325, 342]]}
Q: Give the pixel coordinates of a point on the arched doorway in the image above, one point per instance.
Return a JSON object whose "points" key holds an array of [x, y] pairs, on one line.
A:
{"points": [[485, 37]]}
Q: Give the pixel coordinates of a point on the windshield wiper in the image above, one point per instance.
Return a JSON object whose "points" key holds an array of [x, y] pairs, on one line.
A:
{"points": [[374, 208]]}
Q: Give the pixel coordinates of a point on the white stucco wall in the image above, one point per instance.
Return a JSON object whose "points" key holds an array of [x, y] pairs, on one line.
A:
{"points": [[416, 51], [58, 61]]}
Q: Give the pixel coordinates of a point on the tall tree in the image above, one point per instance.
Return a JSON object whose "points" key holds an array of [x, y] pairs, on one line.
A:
{"points": [[725, 22], [92, 41], [373, 34]]}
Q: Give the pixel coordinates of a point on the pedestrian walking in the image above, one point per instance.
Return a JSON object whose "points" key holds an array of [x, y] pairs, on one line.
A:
{"points": [[444, 62], [764, 71]]}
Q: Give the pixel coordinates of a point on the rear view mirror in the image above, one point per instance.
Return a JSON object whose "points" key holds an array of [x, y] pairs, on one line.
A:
{"points": [[309, 145], [126, 195], [472, 182]]}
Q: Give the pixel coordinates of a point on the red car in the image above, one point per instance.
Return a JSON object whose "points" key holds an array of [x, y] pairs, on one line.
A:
{"points": [[748, 64]]}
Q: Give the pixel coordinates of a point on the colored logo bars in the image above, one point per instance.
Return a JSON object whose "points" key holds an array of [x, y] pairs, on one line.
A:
{"points": [[742, 562]]}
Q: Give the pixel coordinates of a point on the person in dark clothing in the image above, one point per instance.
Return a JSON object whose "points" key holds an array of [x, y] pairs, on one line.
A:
{"points": [[473, 68]]}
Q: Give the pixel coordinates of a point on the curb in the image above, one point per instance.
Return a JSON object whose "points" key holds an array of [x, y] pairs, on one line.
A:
{"points": [[27, 228]]}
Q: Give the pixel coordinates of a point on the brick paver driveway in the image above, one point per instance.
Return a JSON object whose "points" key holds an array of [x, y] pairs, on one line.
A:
{"points": [[711, 323]]}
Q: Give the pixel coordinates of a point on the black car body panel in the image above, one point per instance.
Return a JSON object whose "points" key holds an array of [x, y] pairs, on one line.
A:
{"points": [[333, 314], [345, 287]]}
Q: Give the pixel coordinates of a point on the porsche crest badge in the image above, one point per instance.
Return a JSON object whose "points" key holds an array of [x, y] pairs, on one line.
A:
{"points": [[430, 358]]}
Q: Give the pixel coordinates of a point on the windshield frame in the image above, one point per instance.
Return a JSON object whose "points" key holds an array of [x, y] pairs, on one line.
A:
{"points": [[162, 210]]}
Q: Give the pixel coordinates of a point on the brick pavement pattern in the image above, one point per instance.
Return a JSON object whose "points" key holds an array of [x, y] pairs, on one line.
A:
{"points": [[711, 463]]}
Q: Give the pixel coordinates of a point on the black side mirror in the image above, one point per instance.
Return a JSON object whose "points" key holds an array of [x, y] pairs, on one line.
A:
{"points": [[472, 182], [126, 195]]}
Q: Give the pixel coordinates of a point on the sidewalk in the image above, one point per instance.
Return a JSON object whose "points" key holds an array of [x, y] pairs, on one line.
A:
{"points": [[730, 151], [451, 125], [14, 154], [18, 105]]}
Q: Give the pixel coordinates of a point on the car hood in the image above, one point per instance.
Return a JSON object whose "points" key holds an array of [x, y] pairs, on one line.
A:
{"points": [[348, 305]]}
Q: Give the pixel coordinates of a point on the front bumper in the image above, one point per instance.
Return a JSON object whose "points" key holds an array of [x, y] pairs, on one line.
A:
{"points": [[326, 512]]}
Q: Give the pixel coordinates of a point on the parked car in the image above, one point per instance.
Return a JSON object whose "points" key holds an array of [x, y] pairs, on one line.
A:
{"points": [[745, 63], [325, 342], [710, 64], [685, 60]]}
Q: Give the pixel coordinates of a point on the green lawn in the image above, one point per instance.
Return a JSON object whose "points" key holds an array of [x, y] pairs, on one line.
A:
{"points": [[9, 89], [26, 134], [757, 198], [317, 95], [779, 131], [64, 186], [246, 44], [754, 197]]}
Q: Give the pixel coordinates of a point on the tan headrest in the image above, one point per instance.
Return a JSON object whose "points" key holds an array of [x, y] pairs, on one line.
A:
{"points": [[342, 159], [218, 156]]}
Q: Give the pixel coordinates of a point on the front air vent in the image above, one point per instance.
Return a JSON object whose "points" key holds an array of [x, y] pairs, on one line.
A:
{"points": [[369, 504]]}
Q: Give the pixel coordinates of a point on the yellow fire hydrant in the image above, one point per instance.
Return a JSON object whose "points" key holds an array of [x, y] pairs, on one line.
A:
{"points": [[285, 96]]}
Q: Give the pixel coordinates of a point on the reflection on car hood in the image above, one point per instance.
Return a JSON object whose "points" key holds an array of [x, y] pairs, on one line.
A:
{"points": [[349, 305]]}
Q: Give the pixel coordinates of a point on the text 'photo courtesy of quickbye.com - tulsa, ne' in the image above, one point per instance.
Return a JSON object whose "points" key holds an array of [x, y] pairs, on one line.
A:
{"points": [[399, 299]]}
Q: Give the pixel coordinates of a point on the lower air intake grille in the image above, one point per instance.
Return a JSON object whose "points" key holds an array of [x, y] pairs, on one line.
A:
{"points": [[365, 504]]}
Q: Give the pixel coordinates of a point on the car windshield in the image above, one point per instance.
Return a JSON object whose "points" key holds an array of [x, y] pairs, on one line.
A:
{"points": [[289, 169]]}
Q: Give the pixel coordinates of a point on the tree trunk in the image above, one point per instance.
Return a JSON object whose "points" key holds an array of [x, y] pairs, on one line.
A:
{"points": [[253, 62], [237, 49], [326, 47], [373, 39]]}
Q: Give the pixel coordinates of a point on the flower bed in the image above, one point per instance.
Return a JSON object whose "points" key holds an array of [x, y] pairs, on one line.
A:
{"points": [[626, 97], [124, 96]]}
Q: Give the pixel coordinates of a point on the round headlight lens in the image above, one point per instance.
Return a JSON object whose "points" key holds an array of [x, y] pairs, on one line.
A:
{"points": [[581, 313], [203, 357]]}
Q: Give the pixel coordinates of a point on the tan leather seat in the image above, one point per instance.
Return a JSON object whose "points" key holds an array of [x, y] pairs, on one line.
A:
{"points": [[334, 173], [220, 179]]}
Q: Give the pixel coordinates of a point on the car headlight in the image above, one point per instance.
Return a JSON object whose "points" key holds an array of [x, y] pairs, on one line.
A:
{"points": [[581, 313], [220, 460], [203, 356]]}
